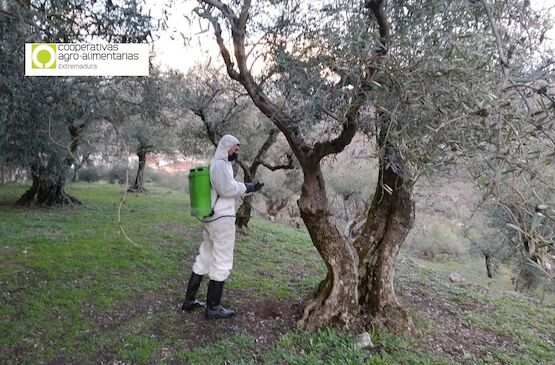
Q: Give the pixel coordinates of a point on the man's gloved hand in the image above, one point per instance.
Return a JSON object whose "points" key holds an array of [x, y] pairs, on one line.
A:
{"points": [[255, 186]]}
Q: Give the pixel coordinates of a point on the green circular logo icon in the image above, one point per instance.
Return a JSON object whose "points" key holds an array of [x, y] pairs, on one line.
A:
{"points": [[43, 55]]}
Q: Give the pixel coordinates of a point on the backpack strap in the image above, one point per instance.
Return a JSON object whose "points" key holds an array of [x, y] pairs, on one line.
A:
{"points": [[217, 197]]}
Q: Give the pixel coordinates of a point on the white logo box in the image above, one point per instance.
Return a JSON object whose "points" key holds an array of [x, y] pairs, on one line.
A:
{"points": [[87, 59]]}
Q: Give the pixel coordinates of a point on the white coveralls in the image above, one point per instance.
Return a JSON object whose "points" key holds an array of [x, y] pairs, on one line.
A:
{"points": [[215, 256]]}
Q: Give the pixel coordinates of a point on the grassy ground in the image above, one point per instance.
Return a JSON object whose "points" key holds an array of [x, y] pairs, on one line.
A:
{"points": [[73, 290], [474, 270]]}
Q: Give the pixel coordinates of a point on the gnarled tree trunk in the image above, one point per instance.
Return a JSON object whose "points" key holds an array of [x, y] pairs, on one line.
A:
{"points": [[245, 210], [337, 298], [46, 191], [75, 132], [390, 219], [335, 301], [49, 179]]}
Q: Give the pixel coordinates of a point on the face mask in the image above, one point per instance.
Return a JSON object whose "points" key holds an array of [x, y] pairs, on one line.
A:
{"points": [[232, 157]]}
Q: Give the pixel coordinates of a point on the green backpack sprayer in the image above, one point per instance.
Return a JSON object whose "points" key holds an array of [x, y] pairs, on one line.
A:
{"points": [[199, 191], [200, 194]]}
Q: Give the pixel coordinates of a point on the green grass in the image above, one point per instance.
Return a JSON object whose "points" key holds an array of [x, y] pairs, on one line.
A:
{"points": [[532, 327], [74, 290], [521, 320], [331, 347], [62, 264], [233, 350], [300, 347], [62, 271]]}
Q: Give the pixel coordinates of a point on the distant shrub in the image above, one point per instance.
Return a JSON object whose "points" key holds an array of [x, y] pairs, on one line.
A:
{"points": [[90, 174], [150, 175], [177, 181], [531, 277], [450, 209], [117, 174], [436, 239]]}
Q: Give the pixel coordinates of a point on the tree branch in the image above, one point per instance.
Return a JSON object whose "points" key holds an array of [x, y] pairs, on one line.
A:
{"points": [[502, 60], [242, 21], [288, 166], [539, 91], [376, 6], [246, 170], [7, 14], [238, 29], [209, 132], [270, 140], [230, 67], [322, 149], [226, 10]]}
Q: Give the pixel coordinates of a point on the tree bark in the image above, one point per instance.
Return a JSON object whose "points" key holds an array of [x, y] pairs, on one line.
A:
{"points": [[490, 266], [72, 159], [75, 132], [46, 191], [335, 301], [138, 186], [244, 213], [390, 218]]}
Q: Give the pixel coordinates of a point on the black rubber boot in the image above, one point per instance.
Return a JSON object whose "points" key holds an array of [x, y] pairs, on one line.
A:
{"points": [[213, 309], [190, 298]]}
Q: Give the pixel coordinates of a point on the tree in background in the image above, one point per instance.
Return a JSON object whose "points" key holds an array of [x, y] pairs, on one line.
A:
{"points": [[417, 76], [280, 189], [98, 143], [51, 158], [522, 204], [143, 114], [488, 241], [43, 119], [515, 165]]}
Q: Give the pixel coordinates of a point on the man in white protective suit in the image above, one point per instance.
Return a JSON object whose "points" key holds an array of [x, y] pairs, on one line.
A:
{"points": [[215, 256]]}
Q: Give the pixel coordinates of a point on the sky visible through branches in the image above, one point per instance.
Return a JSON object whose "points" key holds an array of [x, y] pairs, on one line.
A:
{"points": [[187, 41]]}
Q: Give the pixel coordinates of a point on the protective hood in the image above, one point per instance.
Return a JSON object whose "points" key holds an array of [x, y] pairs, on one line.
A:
{"points": [[224, 186], [224, 145]]}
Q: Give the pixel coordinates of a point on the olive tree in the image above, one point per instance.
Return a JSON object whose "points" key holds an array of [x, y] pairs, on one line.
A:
{"points": [[42, 119], [142, 113], [419, 77], [515, 164]]}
